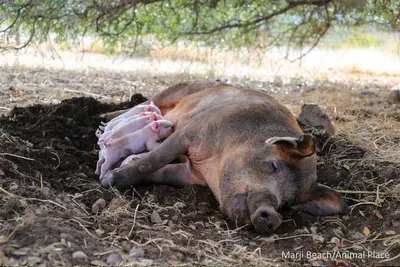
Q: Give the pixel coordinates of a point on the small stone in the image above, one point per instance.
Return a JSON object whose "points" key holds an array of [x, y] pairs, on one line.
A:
{"points": [[114, 259], [394, 95], [146, 262], [397, 214], [64, 242], [175, 218], [357, 248], [313, 229], [99, 232], [155, 217], [312, 116], [356, 236], [98, 263], [79, 255], [136, 253], [301, 231], [338, 232], [318, 238], [99, 205], [192, 227]]}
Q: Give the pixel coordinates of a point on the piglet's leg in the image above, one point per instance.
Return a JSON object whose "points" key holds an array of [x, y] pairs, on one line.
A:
{"points": [[138, 172]]}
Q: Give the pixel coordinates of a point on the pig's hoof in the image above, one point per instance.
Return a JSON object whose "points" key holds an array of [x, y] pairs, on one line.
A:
{"points": [[113, 178], [119, 178]]}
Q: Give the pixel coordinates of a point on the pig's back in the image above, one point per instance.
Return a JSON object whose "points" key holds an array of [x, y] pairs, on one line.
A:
{"points": [[231, 114]]}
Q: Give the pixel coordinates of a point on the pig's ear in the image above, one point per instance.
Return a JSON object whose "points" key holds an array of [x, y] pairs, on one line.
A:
{"points": [[303, 146], [141, 114], [153, 116], [322, 201], [154, 126]]}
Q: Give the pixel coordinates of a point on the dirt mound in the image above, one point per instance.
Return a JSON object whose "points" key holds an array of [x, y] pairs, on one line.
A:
{"points": [[48, 190]]}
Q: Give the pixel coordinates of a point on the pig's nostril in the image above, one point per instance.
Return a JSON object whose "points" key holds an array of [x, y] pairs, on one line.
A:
{"points": [[264, 216]]}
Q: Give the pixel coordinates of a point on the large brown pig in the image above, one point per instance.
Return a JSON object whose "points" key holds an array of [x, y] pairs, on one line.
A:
{"points": [[243, 144]]}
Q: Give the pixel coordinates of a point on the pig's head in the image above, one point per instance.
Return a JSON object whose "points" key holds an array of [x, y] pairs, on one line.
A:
{"points": [[163, 128], [256, 182]]}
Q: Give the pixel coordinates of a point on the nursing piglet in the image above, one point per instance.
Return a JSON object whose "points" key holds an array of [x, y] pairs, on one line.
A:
{"points": [[145, 139]]}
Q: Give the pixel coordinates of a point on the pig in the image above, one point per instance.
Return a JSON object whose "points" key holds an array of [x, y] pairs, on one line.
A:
{"points": [[241, 143], [145, 139]]}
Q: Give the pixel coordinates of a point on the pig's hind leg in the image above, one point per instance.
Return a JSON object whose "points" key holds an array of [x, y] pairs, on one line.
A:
{"points": [[146, 169]]}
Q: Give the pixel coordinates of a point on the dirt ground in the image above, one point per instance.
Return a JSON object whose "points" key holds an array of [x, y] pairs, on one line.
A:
{"points": [[48, 188]]}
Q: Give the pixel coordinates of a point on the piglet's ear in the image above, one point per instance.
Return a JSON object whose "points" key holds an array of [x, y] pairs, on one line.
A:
{"points": [[153, 116], [303, 146], [154, 126], [322, 201]]}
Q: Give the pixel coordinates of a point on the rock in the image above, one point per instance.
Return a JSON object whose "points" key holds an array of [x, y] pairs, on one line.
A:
{"points": [[175, 218], [99, 205], [146, 262], [79, 255], [338, 232], [394, 94], [173, 262], [312, 116], [136, 253], [98, 263], [356, 236], [313, 229], [318, 238], [155, 217], [301, 231], [114, 259], [99, 232], [357, 248]]}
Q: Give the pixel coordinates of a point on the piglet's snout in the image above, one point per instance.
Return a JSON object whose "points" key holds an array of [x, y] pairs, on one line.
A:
{"points": [[265, 219]]}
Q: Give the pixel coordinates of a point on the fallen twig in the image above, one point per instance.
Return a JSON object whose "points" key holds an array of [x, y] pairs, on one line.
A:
{"points": [[16, 156]]}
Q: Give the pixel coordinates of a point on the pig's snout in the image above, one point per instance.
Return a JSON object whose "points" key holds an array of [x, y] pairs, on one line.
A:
{"points": [[265, 219]]}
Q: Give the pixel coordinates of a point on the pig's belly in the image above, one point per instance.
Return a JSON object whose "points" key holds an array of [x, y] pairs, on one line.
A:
{"points": [[208, 169]]}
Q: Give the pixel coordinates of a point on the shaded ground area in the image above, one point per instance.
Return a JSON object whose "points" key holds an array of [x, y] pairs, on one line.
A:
{"points": [[48, 213]]}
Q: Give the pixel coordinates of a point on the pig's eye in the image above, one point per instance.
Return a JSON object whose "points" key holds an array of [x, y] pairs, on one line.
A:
{"points": [[272, 166]]}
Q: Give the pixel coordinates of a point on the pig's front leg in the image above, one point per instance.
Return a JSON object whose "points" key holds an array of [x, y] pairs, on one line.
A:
{"points": [[139, 171]]}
